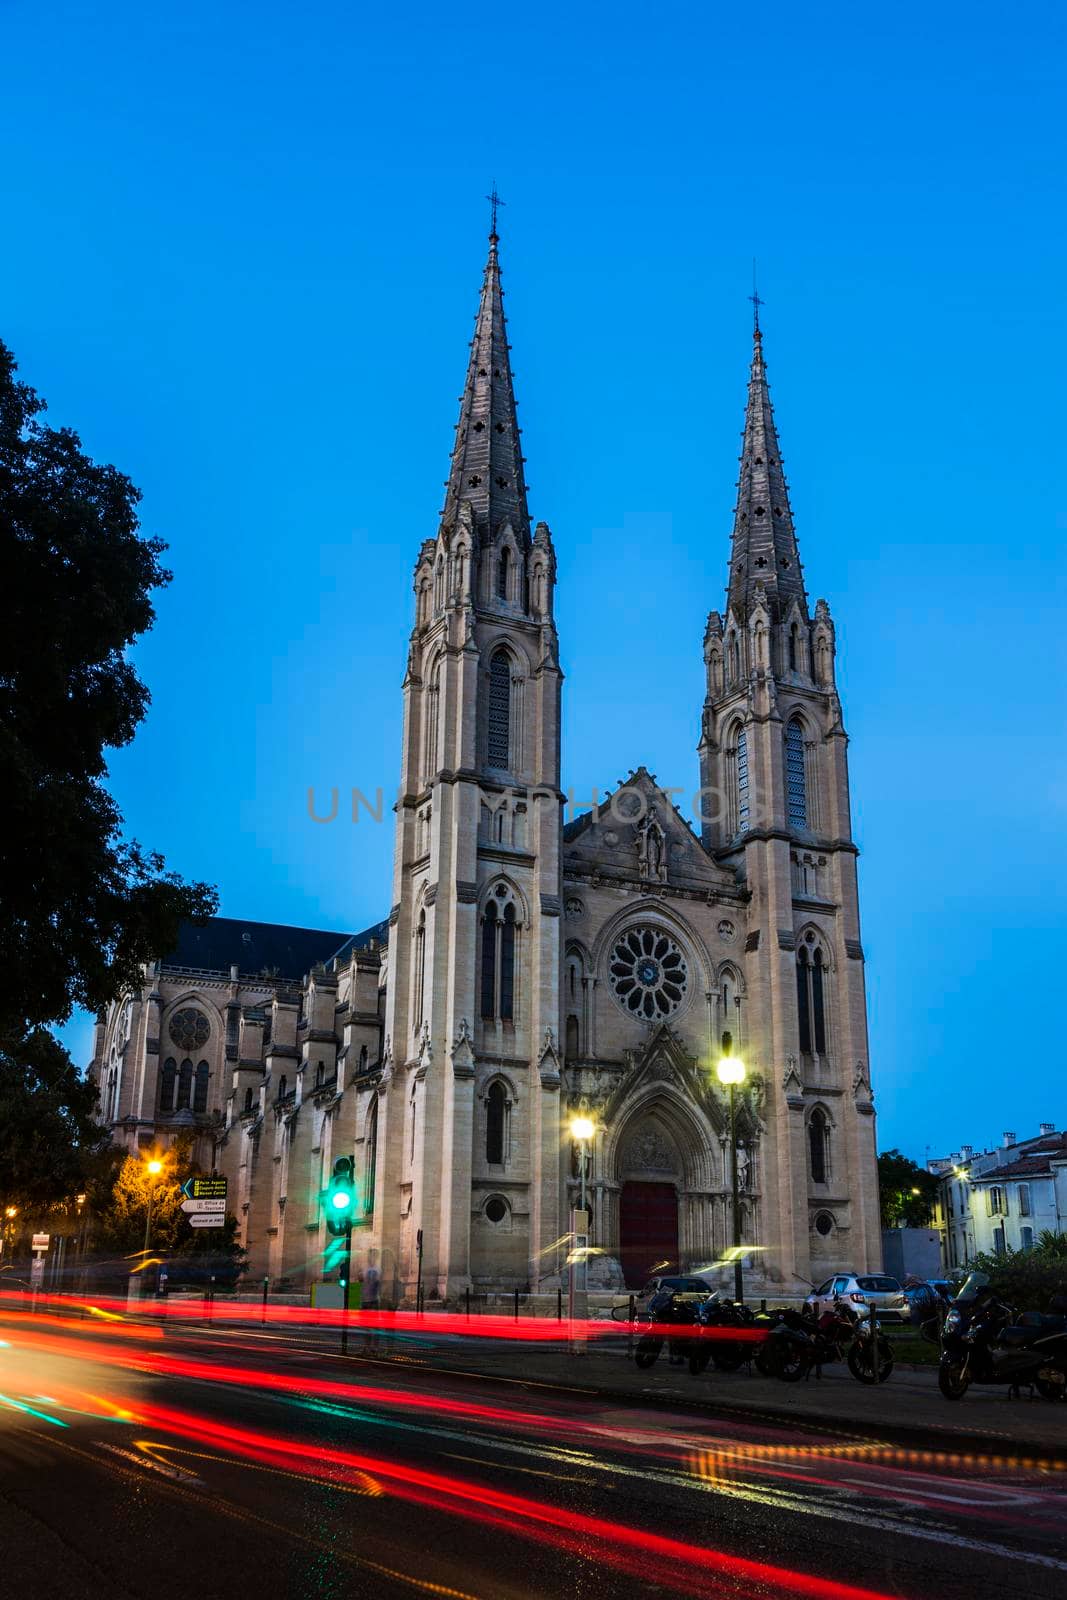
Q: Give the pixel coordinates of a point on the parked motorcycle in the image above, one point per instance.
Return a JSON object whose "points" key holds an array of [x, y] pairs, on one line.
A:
{"points": [[713, 1318], [801, 1342], [665, 1310], [983, 1341]]}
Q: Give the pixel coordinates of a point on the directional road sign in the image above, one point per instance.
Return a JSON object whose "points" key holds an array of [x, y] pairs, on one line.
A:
{"points": [[195, 1207], [204, 1188], [208, 1219]]}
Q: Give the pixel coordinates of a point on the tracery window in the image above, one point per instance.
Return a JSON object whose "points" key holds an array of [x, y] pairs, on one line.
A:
{"points": [[499, 707], [503, 574], [189, 1029], [648, 973], [167, 1083], [795, 782]]}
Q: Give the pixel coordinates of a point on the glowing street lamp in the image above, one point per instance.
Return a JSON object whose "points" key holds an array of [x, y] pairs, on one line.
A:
{"points": [[731, 1072]]}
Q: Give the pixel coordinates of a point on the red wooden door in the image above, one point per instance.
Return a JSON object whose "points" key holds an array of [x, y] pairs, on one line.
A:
{"points": [[648, 1228]]}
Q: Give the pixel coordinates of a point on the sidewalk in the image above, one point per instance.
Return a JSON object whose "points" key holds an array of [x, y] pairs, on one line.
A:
{"points": [[909, 1409]]}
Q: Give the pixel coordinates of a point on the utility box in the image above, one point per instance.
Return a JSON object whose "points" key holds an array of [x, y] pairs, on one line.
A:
{"points": [[912, 1252], [327, 1296]]}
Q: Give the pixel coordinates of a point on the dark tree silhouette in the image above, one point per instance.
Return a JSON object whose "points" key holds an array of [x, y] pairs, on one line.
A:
{"points": [[81, 908]]}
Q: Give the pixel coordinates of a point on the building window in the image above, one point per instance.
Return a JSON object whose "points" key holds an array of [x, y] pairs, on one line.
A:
{"points": [[248, 1099], [811, 1000], [185, 1085], [1026, 1238], [433, 722], [824, 1224], [495, 1118], [203, 1072], [794, 654], [499, 936], [419, 974], [742, 780], [489, 938], [167, 1082], [573, 1048], [507, 965], [1024, 1200], [370, 1159], [503, 574], [796, 789], [497, 1211], [499, 747], [994, 1202], [998, 1240], [283, 1084], [818, 1138]]}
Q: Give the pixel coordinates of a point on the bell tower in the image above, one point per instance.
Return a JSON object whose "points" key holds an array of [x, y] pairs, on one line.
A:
{"points": [[774, 776], [474, 927]]}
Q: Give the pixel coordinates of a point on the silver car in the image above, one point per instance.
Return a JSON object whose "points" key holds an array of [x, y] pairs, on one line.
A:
{"points": [[862, 1294]]}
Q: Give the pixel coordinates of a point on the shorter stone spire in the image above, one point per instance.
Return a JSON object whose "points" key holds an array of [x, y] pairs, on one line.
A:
{"points": [[486, 469], [764, 542]]}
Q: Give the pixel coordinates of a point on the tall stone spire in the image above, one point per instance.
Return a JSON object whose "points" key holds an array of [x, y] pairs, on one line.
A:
{"points": [[764, 542], [486, 465]]}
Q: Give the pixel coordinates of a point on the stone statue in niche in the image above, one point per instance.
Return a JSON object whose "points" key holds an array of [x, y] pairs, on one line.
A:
{"points": [[651, 848], [743, 1167]]}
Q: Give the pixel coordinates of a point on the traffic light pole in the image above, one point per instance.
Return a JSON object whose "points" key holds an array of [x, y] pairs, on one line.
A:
{"points": [[346, 1263]]}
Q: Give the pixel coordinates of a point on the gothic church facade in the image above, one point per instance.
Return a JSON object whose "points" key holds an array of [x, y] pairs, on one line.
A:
{"points": [[530, 970]]}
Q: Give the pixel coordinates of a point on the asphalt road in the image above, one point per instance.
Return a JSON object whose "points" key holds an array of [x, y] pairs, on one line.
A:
{"points": [[227, 1462]]}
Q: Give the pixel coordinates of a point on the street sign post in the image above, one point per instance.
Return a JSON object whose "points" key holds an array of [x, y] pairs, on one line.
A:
{"points": [[208, 1219], [204, 1188], [194, 1208], [40, 1241]]}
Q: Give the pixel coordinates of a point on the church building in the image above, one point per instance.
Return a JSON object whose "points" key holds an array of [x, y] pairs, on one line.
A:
{"points": [[529, 970]]}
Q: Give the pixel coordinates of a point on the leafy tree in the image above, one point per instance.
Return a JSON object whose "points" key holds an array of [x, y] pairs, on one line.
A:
{"points": [[120, 1213], [82, 908], [906, 1191], [50, 1141]]}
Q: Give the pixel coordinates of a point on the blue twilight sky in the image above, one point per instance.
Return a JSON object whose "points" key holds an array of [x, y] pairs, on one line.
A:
{"points": [[242, 251]]}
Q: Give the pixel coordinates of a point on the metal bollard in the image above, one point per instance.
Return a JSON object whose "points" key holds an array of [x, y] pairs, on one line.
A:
{"points": [[630, 1336], [559, 1305]]}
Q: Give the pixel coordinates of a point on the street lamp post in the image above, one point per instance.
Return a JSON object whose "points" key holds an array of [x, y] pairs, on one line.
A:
{"points": [[582, 1129], [153, 1168], [731, 1071]]}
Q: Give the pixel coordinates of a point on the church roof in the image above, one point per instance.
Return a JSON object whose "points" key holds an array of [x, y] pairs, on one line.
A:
{"points": [[764, 542], [486, 467], [255, 947]]}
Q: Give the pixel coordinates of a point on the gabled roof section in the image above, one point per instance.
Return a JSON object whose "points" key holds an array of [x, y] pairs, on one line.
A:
{"points": [[486, 468], [764, 542], [1033, 1159], [263, 947]]}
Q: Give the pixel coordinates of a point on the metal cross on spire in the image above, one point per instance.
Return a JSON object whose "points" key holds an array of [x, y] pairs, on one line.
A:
{"points": [[494, 200], [756, 301]]}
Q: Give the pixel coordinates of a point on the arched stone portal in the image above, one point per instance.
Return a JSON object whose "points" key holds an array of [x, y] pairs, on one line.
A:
{"points": [[650, 1175]]}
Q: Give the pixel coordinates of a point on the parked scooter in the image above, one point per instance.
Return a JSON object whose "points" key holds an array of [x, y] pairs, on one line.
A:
{"points": [[714, 1317], [983, 1341], [801, 1342], [665, 1310]]}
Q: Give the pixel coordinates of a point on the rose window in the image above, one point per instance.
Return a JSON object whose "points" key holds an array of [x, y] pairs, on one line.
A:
{"points": [[189, 1029], [648, 973]]}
